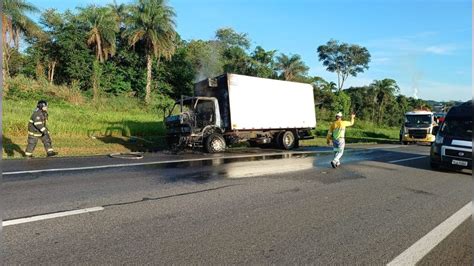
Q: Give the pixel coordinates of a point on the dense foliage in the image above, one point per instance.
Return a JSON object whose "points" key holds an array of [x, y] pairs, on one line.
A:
{"points": [[134, 51]]}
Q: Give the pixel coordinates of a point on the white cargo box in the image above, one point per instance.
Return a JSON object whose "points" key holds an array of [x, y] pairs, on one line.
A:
{"points": [[258, 103]]}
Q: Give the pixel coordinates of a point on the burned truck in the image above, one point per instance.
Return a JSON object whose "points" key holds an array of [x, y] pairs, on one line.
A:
{"points": [[232, 108]]}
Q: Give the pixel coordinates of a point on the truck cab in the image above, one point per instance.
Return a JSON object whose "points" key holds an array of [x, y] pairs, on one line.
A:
{"points": [[418, 127], [195, 116]]}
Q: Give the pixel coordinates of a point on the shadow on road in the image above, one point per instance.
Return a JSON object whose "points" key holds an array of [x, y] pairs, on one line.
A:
{"points": [[136, 136], [11, 148], [418, 163]]}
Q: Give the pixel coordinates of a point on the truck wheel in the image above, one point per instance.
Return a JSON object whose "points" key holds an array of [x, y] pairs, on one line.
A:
{"points": [[214, 143], [297, 143], [287, 140], [276, 139], [405, 142], [172, 142]]}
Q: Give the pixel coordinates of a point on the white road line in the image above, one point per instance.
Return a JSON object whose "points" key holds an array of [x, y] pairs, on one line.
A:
{"points": [[408, 159], [423, 246], [50, 216], [152, 163]]}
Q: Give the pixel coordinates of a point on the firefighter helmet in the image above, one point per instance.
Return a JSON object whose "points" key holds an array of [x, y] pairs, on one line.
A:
{"points": [[41, 104]]}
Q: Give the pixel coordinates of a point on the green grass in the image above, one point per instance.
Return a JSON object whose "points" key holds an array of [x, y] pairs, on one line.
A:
{"points": [[361, 132], [123, 124], [108, 126]]}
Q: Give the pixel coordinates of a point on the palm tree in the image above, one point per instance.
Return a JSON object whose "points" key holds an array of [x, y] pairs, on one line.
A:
{"points": [[151, 22], [291, 67], [383, 90], [120, 12], [102, 29], [16, 23]]}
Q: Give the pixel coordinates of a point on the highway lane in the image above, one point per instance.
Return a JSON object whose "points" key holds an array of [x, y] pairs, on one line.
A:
{"points": [[293, 210]]}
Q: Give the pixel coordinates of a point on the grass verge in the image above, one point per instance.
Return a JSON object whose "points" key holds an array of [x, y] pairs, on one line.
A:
{"points": [[123, 125]]}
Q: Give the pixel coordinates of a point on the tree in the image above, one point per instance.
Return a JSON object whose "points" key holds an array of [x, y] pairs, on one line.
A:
{"points": [[206, 58], [177, 74], [341, 103], [230, 38], [384, 90], [102, 28], [152, 23], [344, 59], [236, 60], [262, 63], [291, 67], [232, 47], [45, 47], [16, 23], [119, 11], [362, 101]]}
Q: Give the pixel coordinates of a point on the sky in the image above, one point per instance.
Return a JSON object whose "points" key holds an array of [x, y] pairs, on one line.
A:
{"points": [[425, 45]]}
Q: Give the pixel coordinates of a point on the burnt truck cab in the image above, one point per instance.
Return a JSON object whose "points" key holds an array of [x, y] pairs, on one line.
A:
{"points": [[196, 115], [452, 147], [418, 127]]}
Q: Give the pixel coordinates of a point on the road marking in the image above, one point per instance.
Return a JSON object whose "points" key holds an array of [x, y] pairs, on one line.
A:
{"points": [[50, 216], [408, 159], [423, 246], [155, 163]]}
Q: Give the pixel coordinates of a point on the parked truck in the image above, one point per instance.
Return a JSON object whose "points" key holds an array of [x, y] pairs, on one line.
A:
{"points": [[418, 127], [233, 108]]}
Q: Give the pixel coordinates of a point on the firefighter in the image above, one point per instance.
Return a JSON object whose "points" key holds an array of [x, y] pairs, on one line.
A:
{"points": [[37, 130], [336, 134]]}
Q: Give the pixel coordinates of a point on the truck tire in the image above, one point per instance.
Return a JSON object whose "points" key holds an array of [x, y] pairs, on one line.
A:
{"points": [[172, 142], [214, 143], [277, 139], [297, 143], [287, 140]]}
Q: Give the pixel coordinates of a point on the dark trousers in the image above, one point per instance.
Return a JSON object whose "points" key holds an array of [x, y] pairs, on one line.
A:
{"points": [[33, 140]]}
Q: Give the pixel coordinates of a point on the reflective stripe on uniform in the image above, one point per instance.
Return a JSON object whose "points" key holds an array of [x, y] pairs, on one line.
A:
{"points": [[31, 121], [38, 123], [43, 129], [28, 153], [50, 150], [34, 134]]}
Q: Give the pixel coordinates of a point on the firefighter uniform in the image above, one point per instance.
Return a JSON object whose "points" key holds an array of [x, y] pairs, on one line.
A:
{"points": [[37, 130]]}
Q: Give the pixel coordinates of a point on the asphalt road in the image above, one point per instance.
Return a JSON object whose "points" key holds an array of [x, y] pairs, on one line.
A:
{"points": [[272, 209]]}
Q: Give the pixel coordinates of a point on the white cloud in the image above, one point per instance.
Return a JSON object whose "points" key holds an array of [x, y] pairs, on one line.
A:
{"points": [[440, 49]]}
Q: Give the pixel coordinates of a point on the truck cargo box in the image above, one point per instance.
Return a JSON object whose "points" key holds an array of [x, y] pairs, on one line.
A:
{"points": [[251, 103]]}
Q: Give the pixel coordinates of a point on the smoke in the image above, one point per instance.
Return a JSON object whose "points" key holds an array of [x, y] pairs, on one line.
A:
{"points": [[415, 81], [209, 62], [410, 69]]}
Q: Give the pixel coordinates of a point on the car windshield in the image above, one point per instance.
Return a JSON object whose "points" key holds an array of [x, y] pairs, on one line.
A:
{"points": [[458, 128], [418, 120]]}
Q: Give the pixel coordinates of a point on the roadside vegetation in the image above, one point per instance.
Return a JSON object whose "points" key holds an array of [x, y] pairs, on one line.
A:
{"points": [[111, 73]]}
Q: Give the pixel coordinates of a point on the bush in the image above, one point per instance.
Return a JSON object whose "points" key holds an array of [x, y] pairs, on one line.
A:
{"points": [[24, 88]]}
